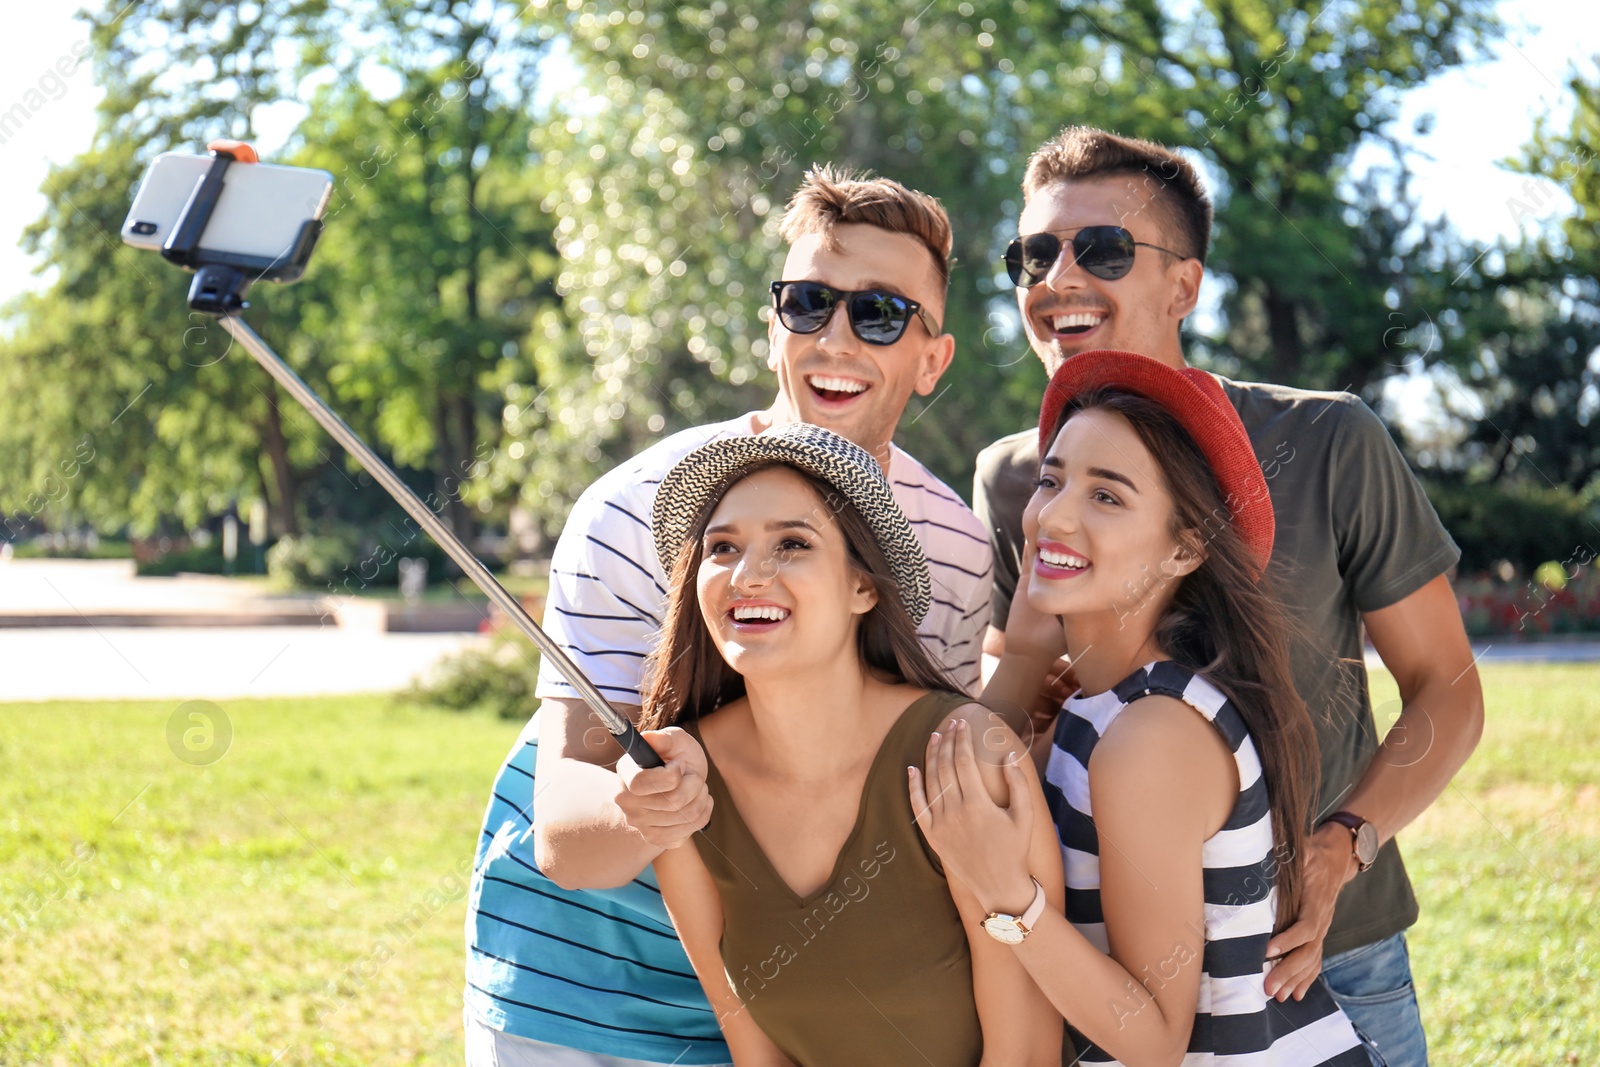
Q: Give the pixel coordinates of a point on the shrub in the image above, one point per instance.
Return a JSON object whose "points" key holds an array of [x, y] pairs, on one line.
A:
{"points": [[501, 677], [315, 560], [1525, 524], [196, 559]]}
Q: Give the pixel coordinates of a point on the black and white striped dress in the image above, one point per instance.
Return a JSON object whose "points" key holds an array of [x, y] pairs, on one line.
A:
{"points": [[1235, 1024]]}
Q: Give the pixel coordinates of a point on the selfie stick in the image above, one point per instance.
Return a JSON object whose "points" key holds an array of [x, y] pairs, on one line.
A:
{"points": [[218, 290]]}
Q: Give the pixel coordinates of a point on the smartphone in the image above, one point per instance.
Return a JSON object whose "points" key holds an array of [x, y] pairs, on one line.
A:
{"points": [[257, 219]]}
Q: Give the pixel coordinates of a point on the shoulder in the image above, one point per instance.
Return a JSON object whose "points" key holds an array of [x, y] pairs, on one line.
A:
{"points": [[1006, 474], [992, 736], [1268, 409], [1158, 740], [933, 507], [1020, 449], [631, 485], [911, 480], [647, 468]]}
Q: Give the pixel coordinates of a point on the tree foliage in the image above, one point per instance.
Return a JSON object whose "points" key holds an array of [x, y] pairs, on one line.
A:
{"points": [[554, 224]]}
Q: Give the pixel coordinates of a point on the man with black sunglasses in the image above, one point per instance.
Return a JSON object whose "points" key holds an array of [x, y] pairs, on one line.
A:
{"points": [[571, 956], [1110, 254]]}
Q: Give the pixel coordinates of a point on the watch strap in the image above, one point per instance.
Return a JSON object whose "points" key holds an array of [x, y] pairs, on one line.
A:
{"points": [[1355, 824], [1349, 820], [1030, 918]]}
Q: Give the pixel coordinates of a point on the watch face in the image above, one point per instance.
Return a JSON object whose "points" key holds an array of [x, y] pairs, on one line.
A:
{"points": [[1367, 843], [1004, 929]]}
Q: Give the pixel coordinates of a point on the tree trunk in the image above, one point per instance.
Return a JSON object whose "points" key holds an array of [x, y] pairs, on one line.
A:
{"points": [[284, 516], [1283, 330]]}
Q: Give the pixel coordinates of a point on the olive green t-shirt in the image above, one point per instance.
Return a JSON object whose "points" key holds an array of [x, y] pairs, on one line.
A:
{"points": [[1355, 533], [872, 967]]}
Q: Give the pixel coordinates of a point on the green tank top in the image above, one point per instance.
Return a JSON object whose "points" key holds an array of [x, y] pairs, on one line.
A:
{"points": [[872, 967]]}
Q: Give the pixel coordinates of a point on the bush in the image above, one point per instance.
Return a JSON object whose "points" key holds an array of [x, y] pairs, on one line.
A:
{"points": [[316, 560], [196, 559], [55, 546], [501, 677], [1525, 524], [346, 562]]}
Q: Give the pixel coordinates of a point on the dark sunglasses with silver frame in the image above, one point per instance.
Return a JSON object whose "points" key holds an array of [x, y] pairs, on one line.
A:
{"points": [[1104, 251], [877, 316]]}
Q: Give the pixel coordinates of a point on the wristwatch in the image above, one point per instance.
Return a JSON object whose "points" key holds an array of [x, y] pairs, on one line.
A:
{"points": [[1365, 844], [1014, 929]]}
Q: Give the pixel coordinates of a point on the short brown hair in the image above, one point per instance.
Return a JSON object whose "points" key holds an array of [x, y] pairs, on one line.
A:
{"points": [[1079, 153], [837, 196]]}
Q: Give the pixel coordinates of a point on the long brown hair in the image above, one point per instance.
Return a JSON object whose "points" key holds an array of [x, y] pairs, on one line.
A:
{"points": [[686, 676], [1226, 624]]}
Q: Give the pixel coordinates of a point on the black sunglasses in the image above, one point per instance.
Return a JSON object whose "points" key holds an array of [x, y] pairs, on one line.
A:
{"points": [[877, 316], [1104, 251]]}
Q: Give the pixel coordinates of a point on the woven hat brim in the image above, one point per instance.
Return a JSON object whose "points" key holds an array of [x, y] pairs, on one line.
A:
{"points": [[711, 467], [1194, 398]]}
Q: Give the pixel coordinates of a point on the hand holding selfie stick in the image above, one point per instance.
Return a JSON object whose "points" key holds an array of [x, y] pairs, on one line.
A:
{"points": [[218, 289]]}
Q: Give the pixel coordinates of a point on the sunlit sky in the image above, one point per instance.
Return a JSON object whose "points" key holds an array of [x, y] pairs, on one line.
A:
{"points": [[1483, 113]]}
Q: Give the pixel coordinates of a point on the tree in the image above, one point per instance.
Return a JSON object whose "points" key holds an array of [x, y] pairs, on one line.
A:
{"points": [[433, 263], [1536, 324], [687, 130], [1276, 96]]}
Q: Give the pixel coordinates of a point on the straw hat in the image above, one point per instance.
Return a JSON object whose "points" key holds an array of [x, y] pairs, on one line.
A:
{"points": [[847, 467]]}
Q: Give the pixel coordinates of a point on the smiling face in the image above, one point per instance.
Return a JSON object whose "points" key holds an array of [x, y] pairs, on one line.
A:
{"points": [[832, 378], [775, 585], [1072, 311], [1102, 521]]}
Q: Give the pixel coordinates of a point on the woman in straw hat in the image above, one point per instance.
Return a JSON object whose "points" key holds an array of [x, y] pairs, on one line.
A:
{"points": [[1181, 770], [790, 677]]}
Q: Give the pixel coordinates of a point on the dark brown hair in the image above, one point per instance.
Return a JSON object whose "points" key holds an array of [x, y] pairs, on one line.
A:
{"points": [[1080, 153], [1226, 624], [832, 196], [686, 676]]}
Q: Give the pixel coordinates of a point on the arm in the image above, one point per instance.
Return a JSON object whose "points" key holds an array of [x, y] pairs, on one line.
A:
{"points": [[1019, 1024], [696, 909], [1424, 645], [595, 830], [603, 606], [1029, 677], [1161, 782]]}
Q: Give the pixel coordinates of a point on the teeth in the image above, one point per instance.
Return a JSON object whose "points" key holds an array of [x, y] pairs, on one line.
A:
{"points": [[751, 612], [1063, 559], [1078, 318], [837, 385]]}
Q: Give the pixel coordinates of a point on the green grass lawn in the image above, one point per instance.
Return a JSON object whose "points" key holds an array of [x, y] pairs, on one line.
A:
{"points": [[301, 899]]}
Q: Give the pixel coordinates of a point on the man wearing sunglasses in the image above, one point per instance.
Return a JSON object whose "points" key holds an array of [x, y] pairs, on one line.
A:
{"points": [[571, 956], [1109, 255]]}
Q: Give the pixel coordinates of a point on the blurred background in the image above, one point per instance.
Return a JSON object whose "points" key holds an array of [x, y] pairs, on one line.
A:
{"points": [[553, 226], [549, 244]]}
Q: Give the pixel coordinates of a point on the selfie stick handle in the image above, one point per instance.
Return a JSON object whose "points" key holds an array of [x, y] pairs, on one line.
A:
{"points": [[614, 721]]}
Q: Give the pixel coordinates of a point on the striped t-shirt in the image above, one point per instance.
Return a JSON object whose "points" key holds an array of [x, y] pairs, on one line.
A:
{"points": [[602, 970], [1236, 1023]]}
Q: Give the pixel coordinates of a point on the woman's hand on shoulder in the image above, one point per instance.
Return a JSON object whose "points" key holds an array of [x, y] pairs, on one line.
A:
{"points": [[666, 805], [974, 803]]}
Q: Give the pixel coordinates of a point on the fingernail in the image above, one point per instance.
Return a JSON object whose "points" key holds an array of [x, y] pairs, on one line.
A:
{"points": [[935, 737]]}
